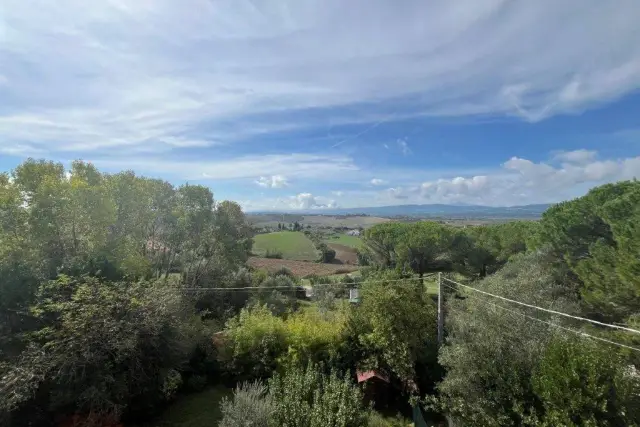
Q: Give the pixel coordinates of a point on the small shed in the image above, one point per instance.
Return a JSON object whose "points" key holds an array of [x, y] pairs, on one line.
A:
{"points": [[376, 387]]}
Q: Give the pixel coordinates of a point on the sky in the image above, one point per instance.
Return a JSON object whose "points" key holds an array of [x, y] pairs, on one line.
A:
{"points": [[300, 104]]}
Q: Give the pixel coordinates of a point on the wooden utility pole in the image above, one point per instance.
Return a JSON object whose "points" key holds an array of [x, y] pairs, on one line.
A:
{"points": [[440, 313]]}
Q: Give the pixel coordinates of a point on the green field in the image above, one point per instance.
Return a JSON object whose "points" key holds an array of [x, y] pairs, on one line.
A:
{"points": [[292, 244], [344, 239], [195, 410]]}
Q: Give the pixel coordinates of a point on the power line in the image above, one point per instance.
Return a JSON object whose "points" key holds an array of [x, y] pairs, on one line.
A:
{"points": [[555, 325], [595, 322], [289, 287]]}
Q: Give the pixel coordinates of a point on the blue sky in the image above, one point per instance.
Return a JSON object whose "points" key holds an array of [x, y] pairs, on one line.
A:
{"points": [[316, 103]]}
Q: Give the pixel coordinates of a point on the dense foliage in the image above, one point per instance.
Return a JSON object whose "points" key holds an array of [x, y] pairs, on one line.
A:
{"points": [[305, 397], [118, 293], [91, 267]]}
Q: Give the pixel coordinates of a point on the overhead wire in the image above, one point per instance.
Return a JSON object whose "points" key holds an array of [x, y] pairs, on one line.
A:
{"points": [[559, 313], [555, 325], [289, 287]]}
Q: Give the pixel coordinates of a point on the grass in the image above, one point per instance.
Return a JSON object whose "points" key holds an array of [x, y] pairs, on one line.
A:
{"points": [[344, 239], [293, 245], [195, 410]]}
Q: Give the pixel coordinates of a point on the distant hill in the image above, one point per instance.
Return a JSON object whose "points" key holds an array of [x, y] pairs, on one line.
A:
{"points": [[434, 210]]}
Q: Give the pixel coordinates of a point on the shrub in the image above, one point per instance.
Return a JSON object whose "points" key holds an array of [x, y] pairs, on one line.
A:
{"points": [[284, 271], [311, 337], [250, 406], [172, 382], [255, 339], [305, 397], [327, 254], [259, 342], [274, 254]]}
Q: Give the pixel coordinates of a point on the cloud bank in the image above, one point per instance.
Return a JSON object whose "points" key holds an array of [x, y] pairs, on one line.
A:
{"points": [[164, 75]]}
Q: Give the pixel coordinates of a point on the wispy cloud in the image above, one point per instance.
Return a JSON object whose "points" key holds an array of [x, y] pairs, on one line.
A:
{"points": [[166, 74], [404, 147], [273, 168]]}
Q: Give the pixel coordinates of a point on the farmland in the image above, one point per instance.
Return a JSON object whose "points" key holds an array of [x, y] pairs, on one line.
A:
{"points": [[300, 268], [345, 240], [293, 245], [315, 221]]}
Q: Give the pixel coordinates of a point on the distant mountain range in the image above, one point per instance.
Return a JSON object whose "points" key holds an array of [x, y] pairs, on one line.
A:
{"points": [[435, 210]]}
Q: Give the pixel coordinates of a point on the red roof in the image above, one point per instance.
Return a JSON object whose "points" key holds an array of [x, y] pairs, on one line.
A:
{"points": [[366, 375]]}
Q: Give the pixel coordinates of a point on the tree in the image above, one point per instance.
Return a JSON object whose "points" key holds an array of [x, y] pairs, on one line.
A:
{"points": [[104, 345], [583, 383], [482, 250], [490, 353], [381, 240], [83, 246], [423, 245], [393, 328], [594, 240]]}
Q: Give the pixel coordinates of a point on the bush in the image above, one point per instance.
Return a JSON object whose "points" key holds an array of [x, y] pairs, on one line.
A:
{"points": [[305, 397], [311, 337], [250, 406], [284, 271], [273, 254], [172, 382], [255, 340], [327, 254], [258, 342]]}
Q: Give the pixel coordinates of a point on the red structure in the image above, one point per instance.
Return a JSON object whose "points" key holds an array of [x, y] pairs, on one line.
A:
{"points": [[376, 387], [366, 375]]}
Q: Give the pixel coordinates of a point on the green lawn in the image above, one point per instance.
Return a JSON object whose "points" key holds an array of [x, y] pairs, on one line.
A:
{"points": [[195, 410], [293, 245], [344, 239]]}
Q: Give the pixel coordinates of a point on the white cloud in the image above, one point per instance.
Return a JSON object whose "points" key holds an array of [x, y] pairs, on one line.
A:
{"points": [[274, 181], [304, 201], [522, 181], [518, 181], [576, 157], [309, 201], [378, 181], [159, 75]]}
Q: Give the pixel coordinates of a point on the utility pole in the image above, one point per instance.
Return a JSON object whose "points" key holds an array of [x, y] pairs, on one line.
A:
{"points": [[440, 313]]}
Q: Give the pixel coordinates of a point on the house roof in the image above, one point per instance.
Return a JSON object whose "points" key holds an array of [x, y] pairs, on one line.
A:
{"points": [[367, 375]]}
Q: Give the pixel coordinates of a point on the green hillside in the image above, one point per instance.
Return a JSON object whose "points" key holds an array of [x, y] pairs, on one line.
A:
{"points": [[292, 244]]}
